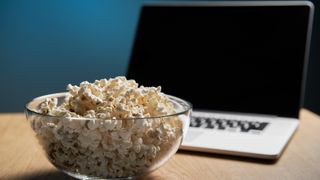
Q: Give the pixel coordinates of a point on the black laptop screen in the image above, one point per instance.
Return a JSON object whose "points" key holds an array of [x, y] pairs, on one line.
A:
{"points": [[239, 59]]}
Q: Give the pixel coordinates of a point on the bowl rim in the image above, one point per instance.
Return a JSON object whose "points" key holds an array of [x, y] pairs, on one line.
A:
{"points": [[186, 104]]}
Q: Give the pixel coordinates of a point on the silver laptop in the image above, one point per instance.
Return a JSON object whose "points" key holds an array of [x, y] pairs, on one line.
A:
{"points": [[241, 64]]}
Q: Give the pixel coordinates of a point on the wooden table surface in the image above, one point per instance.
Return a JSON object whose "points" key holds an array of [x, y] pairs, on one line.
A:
{"points": [[21, 157]]}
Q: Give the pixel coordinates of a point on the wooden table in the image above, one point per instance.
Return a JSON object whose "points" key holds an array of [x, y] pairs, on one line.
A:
{"points": [[21, 157]]}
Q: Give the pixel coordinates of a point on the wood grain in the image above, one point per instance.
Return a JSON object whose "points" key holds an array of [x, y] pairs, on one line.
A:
{"points": [[21, 157]]}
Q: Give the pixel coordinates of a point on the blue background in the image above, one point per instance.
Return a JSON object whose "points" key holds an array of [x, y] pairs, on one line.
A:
{"points": [[46, 44]]}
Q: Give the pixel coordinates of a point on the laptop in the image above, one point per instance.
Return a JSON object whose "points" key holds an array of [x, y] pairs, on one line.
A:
{"points": [[241, 64]]}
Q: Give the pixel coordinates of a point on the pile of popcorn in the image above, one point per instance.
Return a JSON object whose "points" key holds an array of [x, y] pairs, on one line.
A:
{"points": [[107, 128]]}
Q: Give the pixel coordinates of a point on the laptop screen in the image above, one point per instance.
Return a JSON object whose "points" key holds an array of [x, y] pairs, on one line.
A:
{"points": [[247, 59]]}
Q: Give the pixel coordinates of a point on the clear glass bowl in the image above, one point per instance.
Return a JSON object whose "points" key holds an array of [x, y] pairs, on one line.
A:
{"points": [[104, 149]]}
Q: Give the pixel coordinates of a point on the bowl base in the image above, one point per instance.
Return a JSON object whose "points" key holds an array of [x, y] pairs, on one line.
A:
{"points": [[84, 177]]}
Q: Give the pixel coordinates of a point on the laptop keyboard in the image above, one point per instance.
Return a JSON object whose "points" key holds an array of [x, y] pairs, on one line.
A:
{"points": [[226, 124]]}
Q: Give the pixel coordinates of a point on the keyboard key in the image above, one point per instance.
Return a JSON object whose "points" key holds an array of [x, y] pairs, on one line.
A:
{"points": [[210, 126], [255, 125], [262, 126], [221, 127], [245, 127], [234, 124], [195, 122]]}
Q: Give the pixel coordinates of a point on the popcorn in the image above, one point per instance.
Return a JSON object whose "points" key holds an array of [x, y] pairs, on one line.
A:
{"points": [[109, 128]]}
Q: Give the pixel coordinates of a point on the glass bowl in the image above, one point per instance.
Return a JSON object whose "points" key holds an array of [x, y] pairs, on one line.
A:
{"points": [[104, 149]]}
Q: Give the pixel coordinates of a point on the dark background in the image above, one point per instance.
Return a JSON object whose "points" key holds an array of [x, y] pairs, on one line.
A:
{"points": [[46, 44]]}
